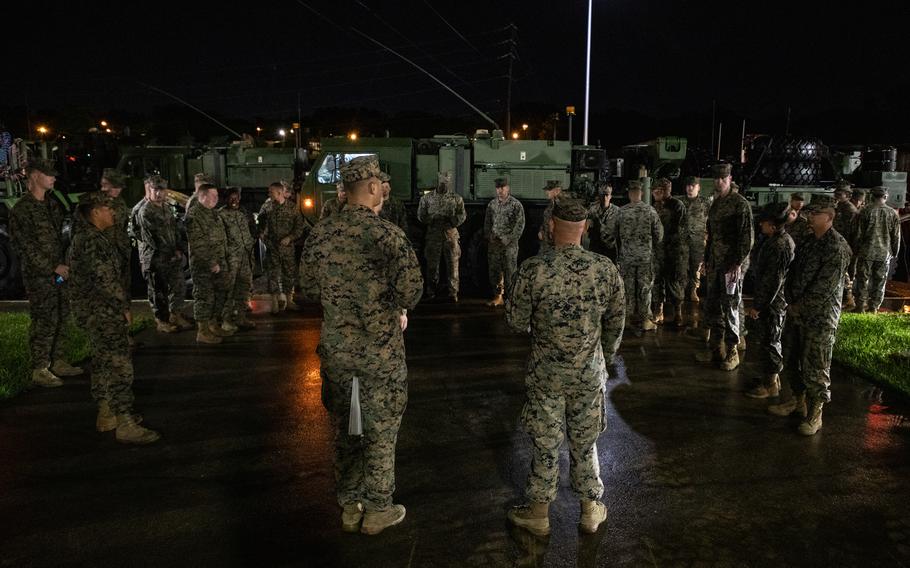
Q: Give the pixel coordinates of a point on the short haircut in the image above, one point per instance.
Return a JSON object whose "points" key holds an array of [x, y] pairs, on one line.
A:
{"points": [[205, 187], [858, 194], [797, 197], [85, 209], [277, 184]]}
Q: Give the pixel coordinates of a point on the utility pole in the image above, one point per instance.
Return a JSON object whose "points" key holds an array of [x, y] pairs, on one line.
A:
{"points": [[713, 120], [588, 75], [742, 145], [512, 56], [720, 131]]}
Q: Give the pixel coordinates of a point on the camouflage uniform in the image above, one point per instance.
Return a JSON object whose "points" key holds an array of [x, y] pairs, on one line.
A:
{"points": [[275, 223], [100, 303], [813, 290], [238, 279], [799, 230], [774, 258], [694, 238], [546, 243], [638, 233], [118, 234], [878, 240], [442, 211], [331, 207], [363, 271], [502, 227], [729, 242], [37, 238], [844, 223], [571, 301], [208, 247], [671, 256], [161, 262], [602, 232], [393, 211]]}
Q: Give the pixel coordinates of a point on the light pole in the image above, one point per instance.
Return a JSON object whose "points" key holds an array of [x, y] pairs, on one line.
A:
{"points": [[588, 75]]}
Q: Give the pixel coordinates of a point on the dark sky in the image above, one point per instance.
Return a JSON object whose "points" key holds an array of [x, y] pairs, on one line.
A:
{"points": [[660, 59]]}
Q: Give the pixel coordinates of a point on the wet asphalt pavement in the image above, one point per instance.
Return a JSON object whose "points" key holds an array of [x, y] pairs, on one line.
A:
{"points": [[695, 473]]}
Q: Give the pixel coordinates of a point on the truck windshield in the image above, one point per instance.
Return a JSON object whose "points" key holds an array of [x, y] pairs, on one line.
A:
{"points": [[328, 171]]}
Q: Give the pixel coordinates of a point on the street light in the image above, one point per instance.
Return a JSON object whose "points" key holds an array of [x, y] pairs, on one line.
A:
{"points": [[352, 136], [42, 130], [103, 123], [514, 136], [258, 129], [108, 130], [282, 133], [524, 126]]}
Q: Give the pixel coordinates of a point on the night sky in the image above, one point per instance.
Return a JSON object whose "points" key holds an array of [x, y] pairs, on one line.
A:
{"points": [[656, 65]]}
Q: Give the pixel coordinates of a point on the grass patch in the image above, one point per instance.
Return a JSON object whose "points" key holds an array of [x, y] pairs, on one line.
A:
{"points": [[15, 360], [877, 347]]}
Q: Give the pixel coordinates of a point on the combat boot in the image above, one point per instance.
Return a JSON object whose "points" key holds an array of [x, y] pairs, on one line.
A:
{"points": [[216, 330], [130, 432], [849, 301], [533, 517], [813, 421], [180, 322], [229, 328], [275, 305], [593, 513], [717, 355], [731, 361], [204, 334], [374, 522], [292, 302], [496, 301], [789, 407], [659, 314], [282, 302], [648, 325], [351, 517], [63, 369], [769, 387], [693, 296], [165, 327], [45, 378], [106, 420], [741, 346]]}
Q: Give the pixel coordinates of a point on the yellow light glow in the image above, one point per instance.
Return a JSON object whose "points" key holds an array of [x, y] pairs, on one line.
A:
{"points": [[291, 131], [281, 132], [514, 136], [258, 129], [108, 130], [352, 136], [308, 203], [42, 130], [103, 123], [524, 126]]}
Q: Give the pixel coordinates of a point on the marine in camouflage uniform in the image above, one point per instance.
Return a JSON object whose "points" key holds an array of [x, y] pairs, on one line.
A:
{"points": [[603, 216], [36, 227], [365, 274], [571, 300], [638, 234], [239, 229], [393, 209], [553, 188], [844, 223], [502, 227], [442, 211], [334, 206], [768, 304], [878, 240], [208, 262], [813, 291], [798, 227], [280, 226], [694, 238], [112, 184], [729, 242], [671, 256]]}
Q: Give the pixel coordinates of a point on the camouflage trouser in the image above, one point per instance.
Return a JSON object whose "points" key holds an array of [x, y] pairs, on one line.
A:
{"points": [[503, 261], [581, 414], [670, 275], [238, 282], [365, 465], [438, 243], [722, 310], [638, 280], [166, 288], [281, 268], [869, 286], [112, 365], [208, 293], [696, 256], [807, 359], [48, 309], [770, 327]]}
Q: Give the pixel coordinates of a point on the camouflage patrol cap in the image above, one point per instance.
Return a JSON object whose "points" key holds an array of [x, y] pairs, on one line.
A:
{"points": [[633, 185], [570, 207], [878, 192], [501, 182], [359, 169], [95, 199], [662, 183], [114, 177], [444, 177], [45, 167], [384, 177], [721, 170], [821, 203], [552, 184], [774, 213]]}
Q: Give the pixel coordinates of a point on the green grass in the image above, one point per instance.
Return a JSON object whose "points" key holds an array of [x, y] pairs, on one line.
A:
{"points": [[15, 363], [877, 347]]}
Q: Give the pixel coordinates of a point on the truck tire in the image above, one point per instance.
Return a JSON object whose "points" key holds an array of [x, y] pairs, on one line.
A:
{"points": [[10, 276]]}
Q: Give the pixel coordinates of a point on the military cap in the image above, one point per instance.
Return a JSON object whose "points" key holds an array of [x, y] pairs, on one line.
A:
{"points": [[95, 199], [570, 207], [820, 203], [46, 167], [633, 185], [384, 177], [359, 169], [774, 213], [663, 183], [156, 181], [552, 184], [691, 180], [444, 177], [878, 191], [204, 178], [501, 182], [115, 177], [721, 170]]}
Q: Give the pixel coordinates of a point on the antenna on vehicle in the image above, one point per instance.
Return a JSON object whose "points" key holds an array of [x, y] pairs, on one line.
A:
{"points": [[197, 109]]}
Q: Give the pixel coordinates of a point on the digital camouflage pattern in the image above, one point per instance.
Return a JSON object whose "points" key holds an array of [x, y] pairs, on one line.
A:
{"points": [[502, 228], [878, 240], [331, 207], [638, 234], [276, 223], [208, 249], [694, 240], [442, 212], [845, 219], [671, 255], [813, 291], [394, 212], [238, 278], [36, 231], [161, 260], [799, 230], [546, 238], [364, 272], [602, 231], [572, 303], [100, 303], [774, 258]]}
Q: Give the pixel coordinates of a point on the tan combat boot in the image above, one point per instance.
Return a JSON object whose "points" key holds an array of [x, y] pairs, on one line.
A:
{"points": [[593, 513], [63, 369], [292, 302], [374, 522], [731, 361], [659, 314], [716, 355], [130, 432], [693, 296], [789, 407], [204, 334], [741, 346], [165, 327], [217, 330], [768, 387], [276, 307], [351, 516], [533, 517], [45, 378], [282, 302], [106, 421], [229, 328], [180, 322], [496, 301], [813, 421], [849, 301], [648, 325]]}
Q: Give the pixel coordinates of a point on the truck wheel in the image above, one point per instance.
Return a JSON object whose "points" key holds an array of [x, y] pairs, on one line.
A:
{"points": [[10, 278]]}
